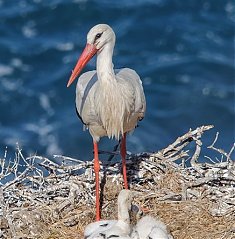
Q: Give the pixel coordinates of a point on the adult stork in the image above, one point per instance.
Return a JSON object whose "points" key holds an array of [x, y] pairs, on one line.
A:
{"points": [[109, 102]]}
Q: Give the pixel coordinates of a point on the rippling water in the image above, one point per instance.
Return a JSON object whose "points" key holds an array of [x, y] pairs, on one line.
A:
{"points": [[183, 51]]}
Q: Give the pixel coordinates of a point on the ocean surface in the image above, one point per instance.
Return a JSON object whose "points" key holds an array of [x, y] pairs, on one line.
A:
{"points": [[183, 51]]}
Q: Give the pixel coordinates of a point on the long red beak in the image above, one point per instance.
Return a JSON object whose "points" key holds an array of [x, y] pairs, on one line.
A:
{"points": [[89, 51]]}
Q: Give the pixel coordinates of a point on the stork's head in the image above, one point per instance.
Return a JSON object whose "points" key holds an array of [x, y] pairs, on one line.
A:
{"points": [[100, 35], [97, 38]]}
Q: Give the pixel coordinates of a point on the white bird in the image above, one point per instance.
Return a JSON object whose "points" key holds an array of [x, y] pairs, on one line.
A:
{"points": [[150, 228], [113, 228], [109, 102]]}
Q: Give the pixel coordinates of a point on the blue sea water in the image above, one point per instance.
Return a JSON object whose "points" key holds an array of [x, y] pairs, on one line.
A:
{"points": [[183, 51]]}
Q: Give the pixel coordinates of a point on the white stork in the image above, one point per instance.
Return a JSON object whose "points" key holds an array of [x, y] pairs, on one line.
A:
{"points": [[109, 102], [113, 228]]}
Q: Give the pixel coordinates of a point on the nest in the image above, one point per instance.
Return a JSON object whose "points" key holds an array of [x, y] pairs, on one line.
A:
{"points": [[54, 198]]}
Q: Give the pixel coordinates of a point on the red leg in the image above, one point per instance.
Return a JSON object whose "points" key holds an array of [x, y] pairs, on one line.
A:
{"points": [[97, 182], [123, 154]]}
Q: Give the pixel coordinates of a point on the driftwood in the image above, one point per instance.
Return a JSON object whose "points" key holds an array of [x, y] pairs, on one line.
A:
{"points": [[45, 198]]}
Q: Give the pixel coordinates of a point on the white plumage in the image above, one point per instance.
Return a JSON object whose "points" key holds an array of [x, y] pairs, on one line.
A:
{"points": [[150, 228], [111, 105], [113, 228]]}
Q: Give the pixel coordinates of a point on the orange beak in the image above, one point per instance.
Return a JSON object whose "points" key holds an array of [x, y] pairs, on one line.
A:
{"points": [[89, 51]]}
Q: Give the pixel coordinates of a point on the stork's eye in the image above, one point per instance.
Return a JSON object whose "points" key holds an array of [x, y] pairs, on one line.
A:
{"points": [[98, 35]]}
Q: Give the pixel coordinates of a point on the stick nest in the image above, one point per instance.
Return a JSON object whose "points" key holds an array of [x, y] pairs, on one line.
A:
{"points": [[54, 198]]}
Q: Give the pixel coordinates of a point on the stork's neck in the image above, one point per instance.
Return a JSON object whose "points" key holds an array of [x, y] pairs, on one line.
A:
{"points": [[123, 215], [104, 64], [123, 212]]}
